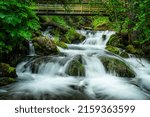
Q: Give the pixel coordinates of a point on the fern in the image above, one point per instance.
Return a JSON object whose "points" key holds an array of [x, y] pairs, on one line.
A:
{"points": [[18, 22]]}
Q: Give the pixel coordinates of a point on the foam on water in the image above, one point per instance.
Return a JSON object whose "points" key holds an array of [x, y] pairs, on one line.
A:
{"points": [[47, 79]]}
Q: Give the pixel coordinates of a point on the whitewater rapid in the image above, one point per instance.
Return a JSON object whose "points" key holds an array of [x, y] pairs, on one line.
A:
{"points": [[49, 80]]}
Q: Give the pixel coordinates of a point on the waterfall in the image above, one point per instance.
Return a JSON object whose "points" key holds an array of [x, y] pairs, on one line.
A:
{"points": [[31, 49], [47, 34], [98, 38], [79, 72]]}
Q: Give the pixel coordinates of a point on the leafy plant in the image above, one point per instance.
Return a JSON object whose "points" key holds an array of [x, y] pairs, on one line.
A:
{"points": [[70, 35], [131, 16], [18, 22], [60, 20], [100, 21]]}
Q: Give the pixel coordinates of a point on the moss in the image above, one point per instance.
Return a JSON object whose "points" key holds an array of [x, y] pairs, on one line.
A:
{"points": [[71, 36], [45, 19], [76, 69], [112, 49], [124, 55], [7, 71], [117, 51], [66, 40], [101, 23], [115, 41], [117, 67], [6, 80], [60, 44], [131, 49], [44, 46]]}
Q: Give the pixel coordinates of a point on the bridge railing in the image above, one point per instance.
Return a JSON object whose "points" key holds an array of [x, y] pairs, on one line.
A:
{"points": [[47, 7]]}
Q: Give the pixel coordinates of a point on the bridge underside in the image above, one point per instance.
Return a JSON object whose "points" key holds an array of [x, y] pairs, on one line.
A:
{"points": [[52, 12]]}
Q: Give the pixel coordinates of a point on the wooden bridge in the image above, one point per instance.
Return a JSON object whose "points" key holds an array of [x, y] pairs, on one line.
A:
{"points": [[47, 8]]}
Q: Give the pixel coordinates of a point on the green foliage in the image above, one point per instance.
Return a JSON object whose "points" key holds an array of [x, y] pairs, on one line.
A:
{"points": [[18, 22], [60, 43], [97, 21], [130, 16], [70, 35], [58, 19], [142, 24]]}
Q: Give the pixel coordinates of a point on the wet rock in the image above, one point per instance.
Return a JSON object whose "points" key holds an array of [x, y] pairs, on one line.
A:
{"points": [[60, 44], [131, 49], [7, 74], [7, 71], [71, 36], [117, 67], [102, 27], [6, 80], [113, 49], [124, 54], [117, 51], [115, 41], [77, 38], [44, 46], [75, 67]]}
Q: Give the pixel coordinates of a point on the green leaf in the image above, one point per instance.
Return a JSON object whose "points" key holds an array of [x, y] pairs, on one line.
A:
{"points": [[24, 34], [2, 15], [23, 14], [12, 19], [33, 24]]}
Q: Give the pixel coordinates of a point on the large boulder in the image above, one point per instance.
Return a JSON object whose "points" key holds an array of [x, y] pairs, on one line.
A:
{"points": [[117, 67], [115, 41], [7, 74], [75, 67], [44, 46], [71, 36]]}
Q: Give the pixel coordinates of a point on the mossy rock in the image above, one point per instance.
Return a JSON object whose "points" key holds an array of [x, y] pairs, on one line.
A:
{"points": [[102, 27], [115, 41], [6, 80], [78, 38], [113, 49], [66, 40], [124, 55], [131, 49], [75, 67], [117, 51], [44, 46], [60, 44], [72, 36], [117, 67], [7, 71]]}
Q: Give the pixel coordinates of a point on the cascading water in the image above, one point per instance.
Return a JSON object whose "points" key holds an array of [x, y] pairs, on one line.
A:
{"points": [[78, 73], [31, 49]]}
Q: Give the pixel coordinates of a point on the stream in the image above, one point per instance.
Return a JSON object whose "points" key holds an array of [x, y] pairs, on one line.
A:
{"points": [[49, 77]]}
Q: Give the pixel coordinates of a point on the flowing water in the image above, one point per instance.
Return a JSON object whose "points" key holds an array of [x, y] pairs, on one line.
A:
{"points": [[47, 77], [31, 49]]}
